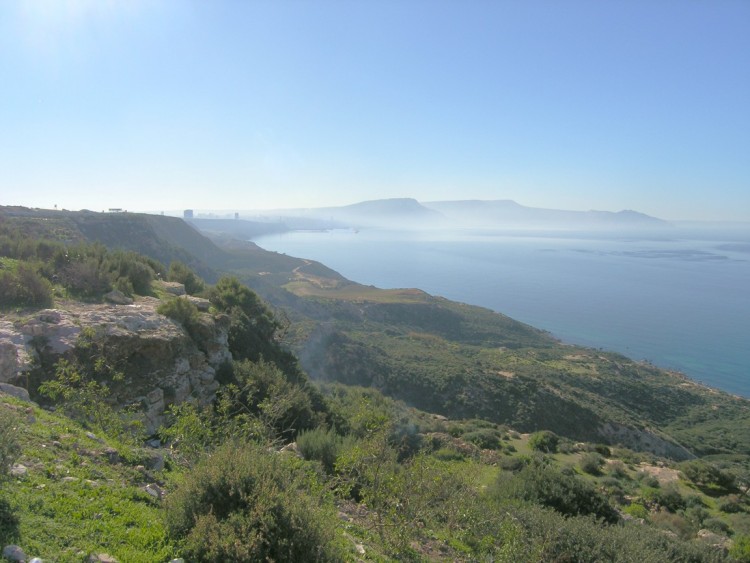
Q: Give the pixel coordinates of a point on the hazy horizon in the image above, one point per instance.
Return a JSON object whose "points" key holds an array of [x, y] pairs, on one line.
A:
{"points": [[270, 105]]}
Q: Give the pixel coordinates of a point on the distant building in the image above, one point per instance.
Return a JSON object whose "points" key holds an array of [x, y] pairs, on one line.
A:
{"points": [[187, 214], [236, 215], [115, 209]]}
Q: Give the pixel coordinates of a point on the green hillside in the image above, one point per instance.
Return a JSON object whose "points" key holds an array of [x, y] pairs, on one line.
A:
{"points": [[435, 431]]}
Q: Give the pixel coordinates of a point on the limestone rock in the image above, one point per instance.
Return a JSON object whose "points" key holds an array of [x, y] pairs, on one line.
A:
{"points": [[14, 357], [18, 470], [161, 363], [201, 304], [714, 539], [118, 298], [154, 490], [174, 288], [14, 553], [13, 391]]}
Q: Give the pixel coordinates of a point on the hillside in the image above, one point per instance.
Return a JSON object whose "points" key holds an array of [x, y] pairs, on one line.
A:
{"points": [[441, 356], [488, 431]]}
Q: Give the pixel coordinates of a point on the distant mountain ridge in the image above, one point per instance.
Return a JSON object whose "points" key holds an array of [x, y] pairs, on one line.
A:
{"points": [[408, 213], [508, 212]]}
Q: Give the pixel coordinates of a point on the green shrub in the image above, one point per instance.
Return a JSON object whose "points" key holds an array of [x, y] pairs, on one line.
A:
{"points": [[186, 313], [82, 398], [85, 279], [695, 501], [731, 504], [9, 447], [261, 389], [246, 504], [135, 271], [544, 441], [740, 549], [717, 525], [179, 272], [549, 536], [484, 438], [514, 463], [647, 480], [706, 474], [449, 454], [617, 469], [24, 287], [668, 497], [540, 483], [696, 514], [181, 310], [591, 463], [636, 510], [675, 523], [602, 450], [321, 445]]}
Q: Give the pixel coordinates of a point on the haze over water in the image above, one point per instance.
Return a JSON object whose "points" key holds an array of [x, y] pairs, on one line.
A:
{"points": [[680, 300]]}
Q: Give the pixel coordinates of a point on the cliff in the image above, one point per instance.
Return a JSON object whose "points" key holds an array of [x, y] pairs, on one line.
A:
{"points": [[160, 363]]}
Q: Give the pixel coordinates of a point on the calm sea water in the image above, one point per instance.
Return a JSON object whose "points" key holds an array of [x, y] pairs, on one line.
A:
{"points": [[680, 299]]}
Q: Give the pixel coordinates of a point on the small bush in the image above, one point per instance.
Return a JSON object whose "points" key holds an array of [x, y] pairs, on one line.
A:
{"points": [[674, 523], [740, 549], [183, 311], [84, 278], [731, 504], [24, 287], [544, 441], [647, 480], [179, 272], [717, 526], [9, 447], [449, 454], [602, 450], [668, 497], [706, 474], [246, 504], [636, 510], [694, 501], [321, 445], [591, 463], [617, 470], [485, 438], [568, 494]]}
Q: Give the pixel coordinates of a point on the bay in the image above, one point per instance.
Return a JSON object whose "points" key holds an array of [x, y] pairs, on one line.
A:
{"points": [[680, 299]]}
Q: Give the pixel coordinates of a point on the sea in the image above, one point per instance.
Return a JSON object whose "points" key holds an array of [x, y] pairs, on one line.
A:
{"points": [[678, 297]]}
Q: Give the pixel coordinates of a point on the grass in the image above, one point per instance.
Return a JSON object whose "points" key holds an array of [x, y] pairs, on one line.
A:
{"points": [[74, 499], [355, 292]]}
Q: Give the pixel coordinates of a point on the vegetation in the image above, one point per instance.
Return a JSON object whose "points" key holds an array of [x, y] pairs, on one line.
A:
{"points": [[242, 504], [181, 273], [416, 448]]}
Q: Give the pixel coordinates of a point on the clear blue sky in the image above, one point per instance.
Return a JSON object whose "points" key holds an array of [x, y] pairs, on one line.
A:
{"points": [[161, 105]]}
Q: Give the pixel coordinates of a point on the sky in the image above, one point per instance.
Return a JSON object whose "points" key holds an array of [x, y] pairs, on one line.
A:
{"points": [[152, 105]]}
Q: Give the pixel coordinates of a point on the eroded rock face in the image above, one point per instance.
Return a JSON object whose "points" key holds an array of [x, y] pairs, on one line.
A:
{"points": [[159, 361], [644, 440]]}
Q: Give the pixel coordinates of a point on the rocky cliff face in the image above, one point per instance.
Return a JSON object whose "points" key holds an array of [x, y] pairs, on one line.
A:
{"points": [[161, 364]]}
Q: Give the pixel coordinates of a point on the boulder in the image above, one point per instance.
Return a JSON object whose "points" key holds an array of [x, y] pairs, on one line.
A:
{"points": [[14, 553], [203, 305], [13, 391], [174, 288], [118, 298]]}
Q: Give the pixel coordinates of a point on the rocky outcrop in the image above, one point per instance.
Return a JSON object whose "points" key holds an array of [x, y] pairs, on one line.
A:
{"points": [[161, 364], [643, 440]]}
